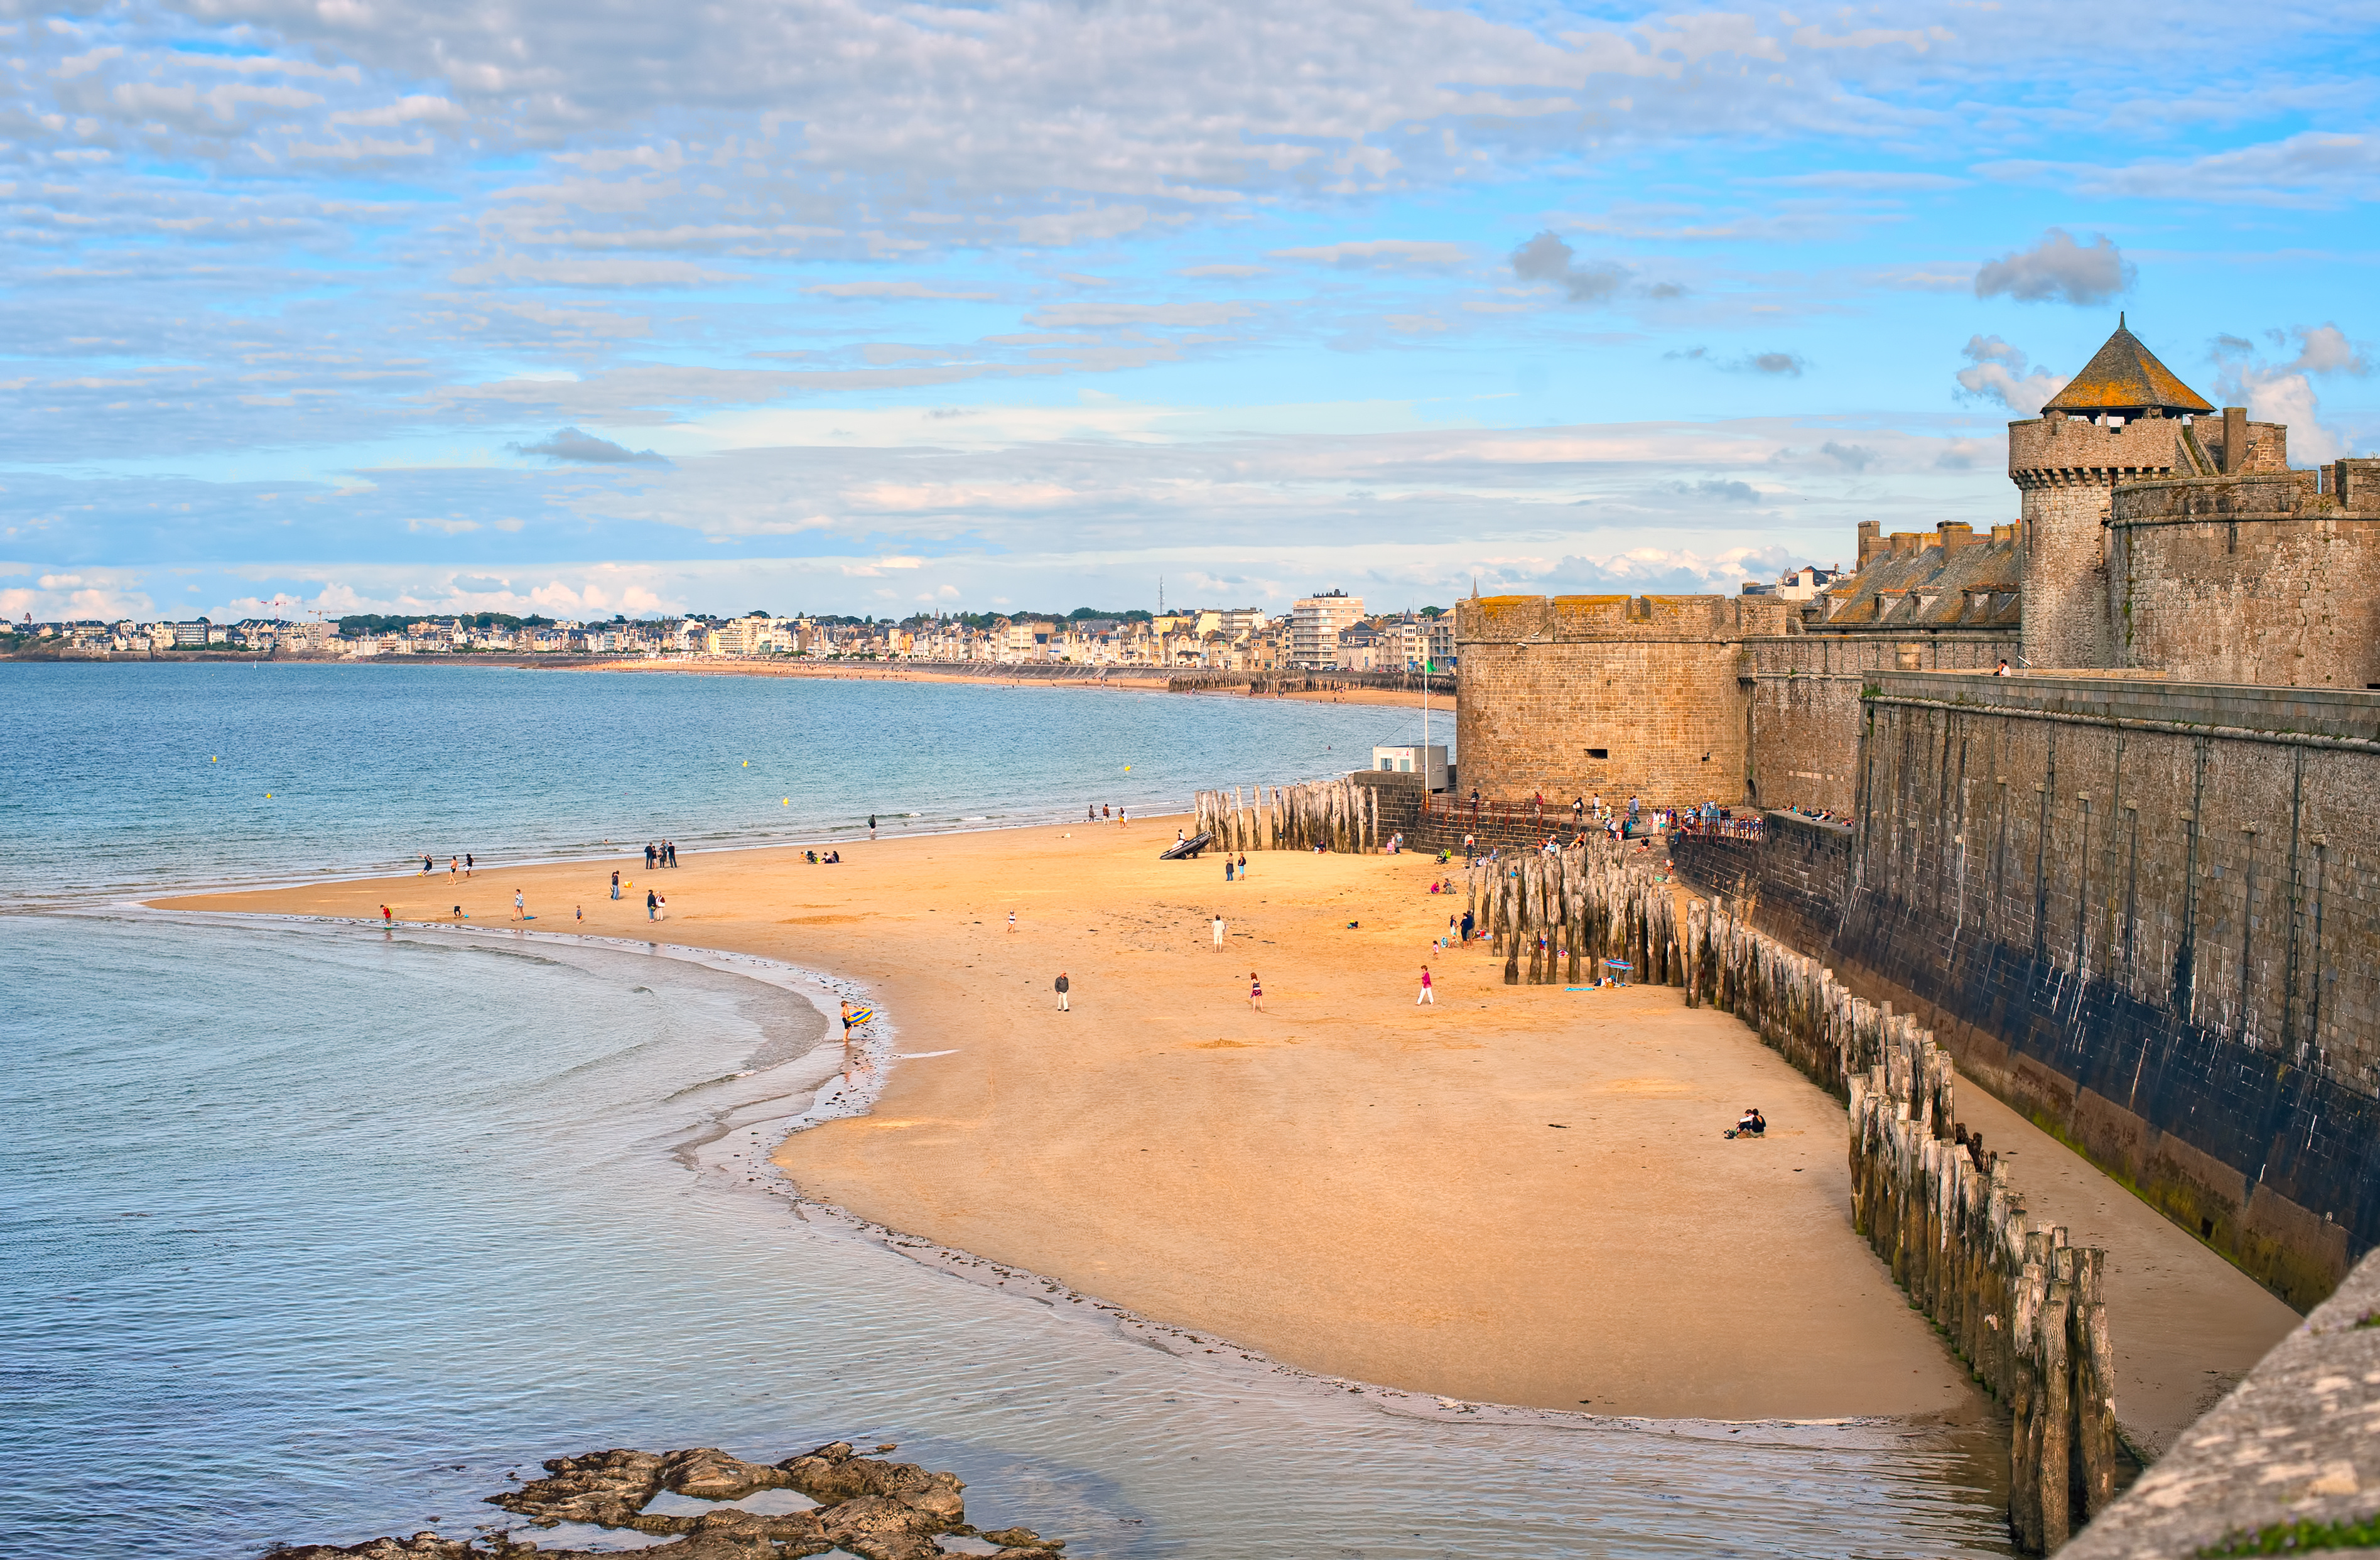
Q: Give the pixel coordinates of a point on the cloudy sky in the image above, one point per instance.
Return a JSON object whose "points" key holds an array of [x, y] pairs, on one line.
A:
{"points": [[595, 306]]}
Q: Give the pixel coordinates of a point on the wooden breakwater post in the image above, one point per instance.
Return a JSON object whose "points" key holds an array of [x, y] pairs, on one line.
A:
{"points": [[1331, 815], [2022, 1307]]}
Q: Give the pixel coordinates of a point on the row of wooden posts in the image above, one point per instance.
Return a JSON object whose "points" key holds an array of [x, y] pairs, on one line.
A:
{"points": [[1583, 912], [1332, 815], [2022, 1307]]}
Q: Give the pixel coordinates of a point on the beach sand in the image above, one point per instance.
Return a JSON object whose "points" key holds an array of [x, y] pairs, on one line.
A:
{"points": [[1519, 1195]]}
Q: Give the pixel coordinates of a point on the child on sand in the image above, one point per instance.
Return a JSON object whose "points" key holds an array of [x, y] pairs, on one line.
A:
{"points": [[1426, 994], [1255, 992]]}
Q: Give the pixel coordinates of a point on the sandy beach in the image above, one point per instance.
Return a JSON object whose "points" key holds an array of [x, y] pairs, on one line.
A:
{"points": [[1516, 1194]]}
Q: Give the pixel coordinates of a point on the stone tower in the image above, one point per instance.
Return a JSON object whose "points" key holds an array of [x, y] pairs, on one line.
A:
{"points": [[2126, 417]]}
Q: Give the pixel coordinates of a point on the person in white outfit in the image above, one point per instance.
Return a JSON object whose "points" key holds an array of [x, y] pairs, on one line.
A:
{"points": [[1218, 933]]}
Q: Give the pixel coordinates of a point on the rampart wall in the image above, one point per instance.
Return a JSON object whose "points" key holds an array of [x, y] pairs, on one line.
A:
{"points": [[2268, 579], [1615, 695], [1804, 692], [2146, 914]]}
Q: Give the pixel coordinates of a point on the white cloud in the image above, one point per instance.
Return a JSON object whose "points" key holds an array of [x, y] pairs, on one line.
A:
{"points": [[2284, 392], [1998, 372], [2058, 270], [1380, 254]]}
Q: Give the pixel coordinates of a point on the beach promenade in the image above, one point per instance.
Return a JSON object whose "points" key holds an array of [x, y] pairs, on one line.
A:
{"points": [[1516, 1194]]}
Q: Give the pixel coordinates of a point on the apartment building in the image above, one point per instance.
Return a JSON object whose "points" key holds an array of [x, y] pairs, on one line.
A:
{"points": [[1315, 624]]}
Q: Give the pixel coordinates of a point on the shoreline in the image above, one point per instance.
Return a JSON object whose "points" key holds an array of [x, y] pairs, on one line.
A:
{"points": [[1180, 1340], [1483, 1321], [1134, 680], [1014, 1142], [1142, 680]]}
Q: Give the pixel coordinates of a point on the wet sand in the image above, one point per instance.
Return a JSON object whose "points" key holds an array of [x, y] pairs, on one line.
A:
{"points": [[1517, 1195]]}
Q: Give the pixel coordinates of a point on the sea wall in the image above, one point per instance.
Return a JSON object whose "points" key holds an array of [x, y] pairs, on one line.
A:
{"points": [[2145, 914], [1805, 703]]}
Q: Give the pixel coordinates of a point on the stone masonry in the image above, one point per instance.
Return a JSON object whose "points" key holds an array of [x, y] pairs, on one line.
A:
{"points": [[2268, 578], [1610, 696]]}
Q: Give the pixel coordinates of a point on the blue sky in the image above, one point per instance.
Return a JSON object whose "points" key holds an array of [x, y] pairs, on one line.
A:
{"points": [[594, 307]]}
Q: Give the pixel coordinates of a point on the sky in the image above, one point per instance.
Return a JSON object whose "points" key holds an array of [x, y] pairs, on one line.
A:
{"points": [[590, 307]]}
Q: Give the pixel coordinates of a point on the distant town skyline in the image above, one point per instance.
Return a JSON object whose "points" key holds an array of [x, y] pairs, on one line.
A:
{"points": [[583, 310]]}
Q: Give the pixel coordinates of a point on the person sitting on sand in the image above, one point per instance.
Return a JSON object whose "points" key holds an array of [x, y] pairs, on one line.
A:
{"points": [[1750, 1124]]}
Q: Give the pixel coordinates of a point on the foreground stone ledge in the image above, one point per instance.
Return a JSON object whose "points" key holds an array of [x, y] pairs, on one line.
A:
{"points": [[2297, 1441], [867, 1506]]}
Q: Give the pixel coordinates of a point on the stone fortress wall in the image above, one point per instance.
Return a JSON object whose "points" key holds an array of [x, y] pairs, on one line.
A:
{"points": [[1610, 695], [2272, 577], [2134, 885], [2144, 913]]}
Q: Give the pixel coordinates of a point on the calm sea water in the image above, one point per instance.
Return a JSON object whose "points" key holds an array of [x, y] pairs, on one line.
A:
{"points": [[127, 776], [320, 1234]]}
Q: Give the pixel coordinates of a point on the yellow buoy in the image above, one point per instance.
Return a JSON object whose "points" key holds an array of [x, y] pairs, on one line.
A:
{"points": [[787, 802], [214, 761]]}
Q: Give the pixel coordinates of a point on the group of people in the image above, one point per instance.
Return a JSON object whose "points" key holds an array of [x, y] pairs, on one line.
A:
{"points": [[662, 855], [456, 866], [1102, 814]]}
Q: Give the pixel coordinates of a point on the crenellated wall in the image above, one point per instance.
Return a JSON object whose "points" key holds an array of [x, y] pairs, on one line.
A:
{"points": [[1615, 695], [2272, 577]]}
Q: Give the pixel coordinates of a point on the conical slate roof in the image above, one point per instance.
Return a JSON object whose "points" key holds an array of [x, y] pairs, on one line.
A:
{"points": [[2125, 376]]}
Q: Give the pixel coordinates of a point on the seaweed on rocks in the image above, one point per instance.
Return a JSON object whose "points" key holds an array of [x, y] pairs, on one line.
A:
{"points": [[867, 1506]]}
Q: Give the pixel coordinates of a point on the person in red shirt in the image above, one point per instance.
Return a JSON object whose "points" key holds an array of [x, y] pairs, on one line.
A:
{"points": [[1426, 994]]}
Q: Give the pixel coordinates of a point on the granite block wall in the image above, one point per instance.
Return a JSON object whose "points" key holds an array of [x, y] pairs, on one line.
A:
{"points": [[2263, 579], [2147, 914], [1611, 696]]}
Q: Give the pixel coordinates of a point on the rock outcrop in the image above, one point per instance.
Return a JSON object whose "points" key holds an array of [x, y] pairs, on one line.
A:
{"points": [[866, 1506]]}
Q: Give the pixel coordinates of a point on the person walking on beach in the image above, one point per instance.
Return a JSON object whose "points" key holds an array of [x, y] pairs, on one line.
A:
{"points": [[1426, 994], [651, 900], [871, 825], [615, 885], [1063, 987], [467, 863], [1255, 991], [1219, 932], [454, 868], [1227, 869], [1012, 921], [520, 906], [578, 914], [386, 919]]}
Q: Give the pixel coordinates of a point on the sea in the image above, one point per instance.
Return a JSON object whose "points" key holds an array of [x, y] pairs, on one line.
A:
{"points": [[315, 1233]]}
